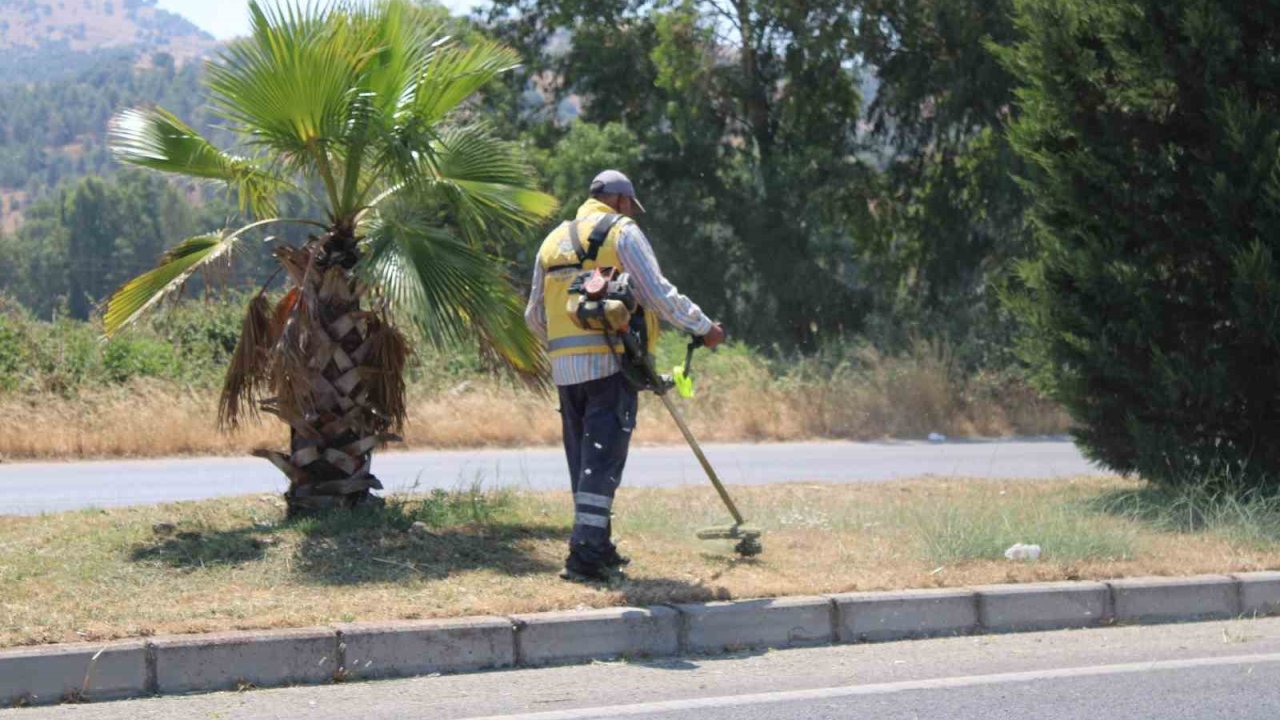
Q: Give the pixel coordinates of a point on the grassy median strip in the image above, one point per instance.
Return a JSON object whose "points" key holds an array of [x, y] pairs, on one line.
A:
{"points": [[234, 564]]}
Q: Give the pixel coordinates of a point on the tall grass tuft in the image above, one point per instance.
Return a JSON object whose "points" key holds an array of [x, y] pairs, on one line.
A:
{"points": [[471, 506], [949, 533], [1215, 503]]}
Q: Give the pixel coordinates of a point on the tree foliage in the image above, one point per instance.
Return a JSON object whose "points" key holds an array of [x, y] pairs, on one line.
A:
{"points": [[1153, 134], [816, 169], [53, 133], [89, 237], [745, 116], [949, 215]]}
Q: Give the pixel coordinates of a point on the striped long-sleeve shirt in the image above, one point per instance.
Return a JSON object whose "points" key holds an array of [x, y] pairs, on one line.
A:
{"points": [[653, 291]]}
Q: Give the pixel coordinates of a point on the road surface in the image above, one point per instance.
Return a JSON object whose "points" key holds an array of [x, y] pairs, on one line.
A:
{"points": [[34, 488], [1173, 672]]}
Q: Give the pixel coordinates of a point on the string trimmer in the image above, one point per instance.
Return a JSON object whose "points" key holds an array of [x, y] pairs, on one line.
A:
{"points": [[601, 299], [747, 537]]}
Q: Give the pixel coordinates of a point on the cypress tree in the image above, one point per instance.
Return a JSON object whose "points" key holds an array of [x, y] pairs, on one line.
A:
{"points": [[1151, 308]]}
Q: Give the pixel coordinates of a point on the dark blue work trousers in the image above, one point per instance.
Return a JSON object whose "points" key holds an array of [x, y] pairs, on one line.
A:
{"points": [[598, 417]]}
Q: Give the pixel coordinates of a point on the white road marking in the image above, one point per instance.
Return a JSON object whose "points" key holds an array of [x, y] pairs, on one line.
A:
{"points": [[888, 688]]}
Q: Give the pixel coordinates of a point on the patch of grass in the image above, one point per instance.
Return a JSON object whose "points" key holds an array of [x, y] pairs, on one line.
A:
{"points": [[470, 506], [1245, 515], [194, 549], [951, 533], [235, 564]]}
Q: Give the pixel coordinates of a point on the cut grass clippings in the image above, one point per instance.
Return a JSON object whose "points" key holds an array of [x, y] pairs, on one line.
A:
{"points": [[234, 564]]}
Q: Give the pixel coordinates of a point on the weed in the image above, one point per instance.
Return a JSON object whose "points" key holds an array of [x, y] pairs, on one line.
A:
{"points": [[950, 533], [1214, 504]]}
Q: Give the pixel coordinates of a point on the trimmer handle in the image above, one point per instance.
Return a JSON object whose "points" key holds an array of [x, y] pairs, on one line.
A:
{"points": [[695, 342]]}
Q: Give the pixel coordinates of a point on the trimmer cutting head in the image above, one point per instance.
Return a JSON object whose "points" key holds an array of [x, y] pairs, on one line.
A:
{"points": [[748, 538]]}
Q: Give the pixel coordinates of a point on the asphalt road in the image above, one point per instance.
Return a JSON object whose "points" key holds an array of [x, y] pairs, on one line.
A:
{"points": [[1172, 672], [34, 488]]}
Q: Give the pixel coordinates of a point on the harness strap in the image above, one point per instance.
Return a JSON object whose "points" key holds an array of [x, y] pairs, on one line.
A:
{"points": [[576, 240], [599, 234], [595, 241]]}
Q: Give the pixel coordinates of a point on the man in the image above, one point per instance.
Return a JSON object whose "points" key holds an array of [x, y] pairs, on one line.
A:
{"points": [[597, 404]]}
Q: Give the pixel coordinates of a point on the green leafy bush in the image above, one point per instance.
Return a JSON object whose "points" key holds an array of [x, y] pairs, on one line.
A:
{"points": [[128, 357], [13, 359]]}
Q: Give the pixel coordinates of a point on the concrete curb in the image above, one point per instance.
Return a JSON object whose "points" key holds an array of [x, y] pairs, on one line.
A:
{"points": [[228, 661], [423, 647], [582, 635], [747, 624], [1259, 593], [910, 614], [206, 663], [1160, 599], [1044, 606], [46, 675]]}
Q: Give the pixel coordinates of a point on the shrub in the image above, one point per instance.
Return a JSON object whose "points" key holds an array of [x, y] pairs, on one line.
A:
{"points": [[1151, 306], [13, 360], [128, 357]]}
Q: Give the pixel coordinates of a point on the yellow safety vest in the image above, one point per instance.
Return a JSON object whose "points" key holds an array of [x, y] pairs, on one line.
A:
{"points": [[560, 260]]}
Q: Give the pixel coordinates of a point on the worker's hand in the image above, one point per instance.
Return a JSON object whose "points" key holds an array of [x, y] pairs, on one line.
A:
{"points": [[713, 339]]}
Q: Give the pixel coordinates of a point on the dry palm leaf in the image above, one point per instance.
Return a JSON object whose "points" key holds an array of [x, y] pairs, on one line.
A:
{"points": [[248, 373], [383, 372]]}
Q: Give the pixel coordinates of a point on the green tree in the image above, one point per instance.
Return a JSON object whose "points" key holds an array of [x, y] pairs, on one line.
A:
{"points": [[81, 242], [1153, 132], [116, 230], [949, 214], [34, 265], [367, 107], [586, 149], [746, 117]]}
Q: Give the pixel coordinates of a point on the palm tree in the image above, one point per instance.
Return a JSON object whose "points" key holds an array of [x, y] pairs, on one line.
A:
{"points": [[363, 108]]}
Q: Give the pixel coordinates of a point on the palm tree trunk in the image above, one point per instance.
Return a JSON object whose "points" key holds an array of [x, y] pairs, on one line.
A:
{"points": [[331, 379]]}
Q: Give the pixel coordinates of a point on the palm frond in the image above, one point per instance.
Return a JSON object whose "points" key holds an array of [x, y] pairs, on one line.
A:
{"points": [[289, 85], [154, 138], [402, 40], [450, 291], [405, 40], [136, 296], [479, 177], [454, 73], [490, 171], [247, 374]]}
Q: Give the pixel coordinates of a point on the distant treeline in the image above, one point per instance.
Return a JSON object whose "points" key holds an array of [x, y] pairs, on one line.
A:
{"points": [[55, 132]]}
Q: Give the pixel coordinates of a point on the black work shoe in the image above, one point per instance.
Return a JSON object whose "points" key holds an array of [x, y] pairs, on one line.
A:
{"points": [[597, 576], [578, 570], [614, 560]]}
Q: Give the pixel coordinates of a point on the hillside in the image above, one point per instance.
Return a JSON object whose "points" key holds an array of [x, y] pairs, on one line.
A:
{"points": [[68, 65], [54, 132], [44, 40]]}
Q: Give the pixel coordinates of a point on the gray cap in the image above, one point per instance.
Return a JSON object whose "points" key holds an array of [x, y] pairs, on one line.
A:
{"points": [[612, 182]]}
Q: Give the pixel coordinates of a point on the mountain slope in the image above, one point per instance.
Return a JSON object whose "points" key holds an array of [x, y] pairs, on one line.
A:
{"points": [[52, 39]]}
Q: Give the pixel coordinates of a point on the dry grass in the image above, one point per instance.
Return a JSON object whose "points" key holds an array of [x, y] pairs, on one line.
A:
{"points": [[98, 575], [739, 400]]}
